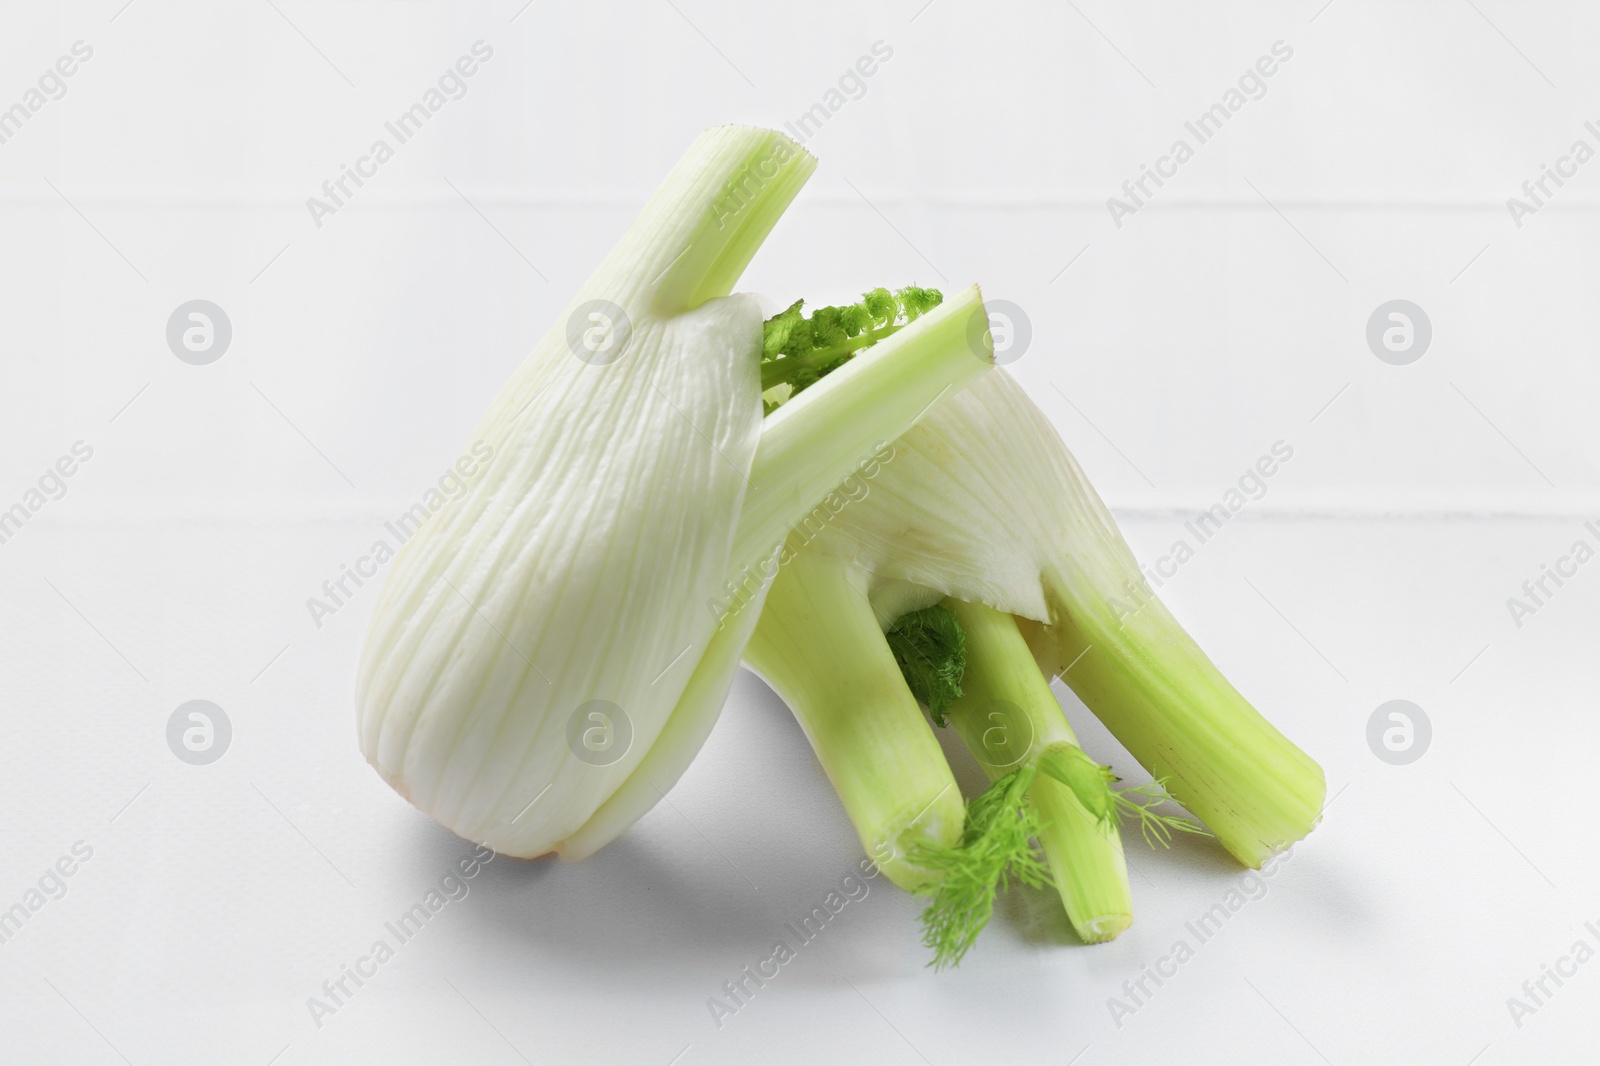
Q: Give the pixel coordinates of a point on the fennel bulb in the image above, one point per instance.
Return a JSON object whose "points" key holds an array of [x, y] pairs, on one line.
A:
{"points": [[541, 664], [984, 504]]}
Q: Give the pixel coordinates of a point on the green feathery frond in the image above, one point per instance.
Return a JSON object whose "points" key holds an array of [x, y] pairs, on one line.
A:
{"points": [[996, 850], [931, 649], [797, 351], [1157, 828]]}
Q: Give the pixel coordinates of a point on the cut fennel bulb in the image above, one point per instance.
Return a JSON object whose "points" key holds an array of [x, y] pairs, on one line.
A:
{"points": [[985, 504], [542, 662]]}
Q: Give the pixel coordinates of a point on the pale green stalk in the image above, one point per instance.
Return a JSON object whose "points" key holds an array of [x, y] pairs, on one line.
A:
{"points": [[1164, 700], [819, 646], [1007, 716]]}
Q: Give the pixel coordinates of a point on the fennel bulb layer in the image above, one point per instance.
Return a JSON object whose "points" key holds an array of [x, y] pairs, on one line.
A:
{"points": [[574, 570], [984, 503]]}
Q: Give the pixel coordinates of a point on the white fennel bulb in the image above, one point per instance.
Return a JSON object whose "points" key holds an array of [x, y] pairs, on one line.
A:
{"points": [[542, 663]]}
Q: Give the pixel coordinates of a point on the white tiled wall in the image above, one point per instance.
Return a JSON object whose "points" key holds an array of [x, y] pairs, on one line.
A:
{"points": [[1220, 318]]}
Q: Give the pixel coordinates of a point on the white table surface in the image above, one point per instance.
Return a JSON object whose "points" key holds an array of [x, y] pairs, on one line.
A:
{"points": [[219, 898]]}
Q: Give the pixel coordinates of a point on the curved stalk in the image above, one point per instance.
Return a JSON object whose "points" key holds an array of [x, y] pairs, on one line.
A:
{"points": [[1007, 716], [1142, 675], [819, 646]]}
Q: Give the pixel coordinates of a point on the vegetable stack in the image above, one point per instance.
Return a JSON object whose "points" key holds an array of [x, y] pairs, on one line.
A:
{"points": [[549, 655]]}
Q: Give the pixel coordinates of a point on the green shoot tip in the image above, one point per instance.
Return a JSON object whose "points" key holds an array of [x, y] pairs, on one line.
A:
{"points": [[798, 351], [931, 648]]}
